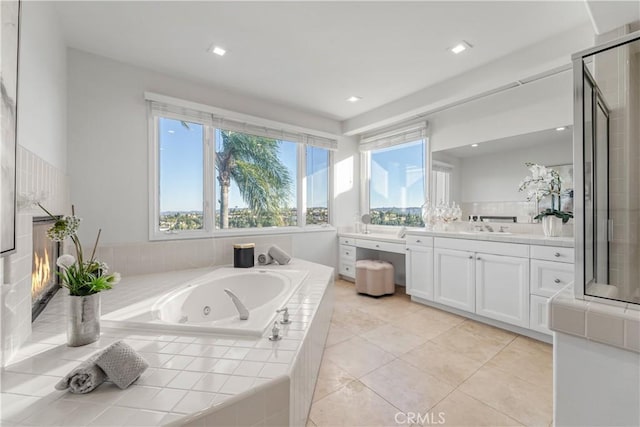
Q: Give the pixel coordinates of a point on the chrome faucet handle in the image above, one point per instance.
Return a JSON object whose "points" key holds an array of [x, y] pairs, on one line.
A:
{"points": [[285, 315], [275, 332]]}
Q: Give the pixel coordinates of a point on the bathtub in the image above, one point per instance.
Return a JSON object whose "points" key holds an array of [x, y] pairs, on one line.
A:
{"points": [[201, 305]]}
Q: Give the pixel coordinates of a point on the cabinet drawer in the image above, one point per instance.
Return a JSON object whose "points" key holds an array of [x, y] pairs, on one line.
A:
{"points": [[381, 246], [419, 241], [548, 277], [347, 241], [495, 248], [348, 254], [347, 269], [552, 253], [539, 318]]}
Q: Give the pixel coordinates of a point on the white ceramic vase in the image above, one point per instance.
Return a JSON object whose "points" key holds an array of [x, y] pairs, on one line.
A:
{"points": [[552, 226]]}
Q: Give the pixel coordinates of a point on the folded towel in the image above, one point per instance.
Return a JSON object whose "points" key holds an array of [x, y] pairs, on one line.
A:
{"points": [[279, 255], [84, 378], [122, 364]]}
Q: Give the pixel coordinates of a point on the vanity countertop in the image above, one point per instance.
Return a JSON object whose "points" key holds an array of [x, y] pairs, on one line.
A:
{"points": [[527, 239]]}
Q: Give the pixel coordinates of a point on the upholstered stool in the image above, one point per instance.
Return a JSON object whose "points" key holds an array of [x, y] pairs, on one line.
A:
{"points": [[374, 277]]}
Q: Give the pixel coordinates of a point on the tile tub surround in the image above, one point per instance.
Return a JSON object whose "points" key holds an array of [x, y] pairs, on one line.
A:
{"points": [[190, 375], [615, 325]]}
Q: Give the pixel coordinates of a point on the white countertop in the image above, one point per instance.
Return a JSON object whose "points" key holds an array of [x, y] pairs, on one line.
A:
{"points": [[529, 239], [188, 372]]}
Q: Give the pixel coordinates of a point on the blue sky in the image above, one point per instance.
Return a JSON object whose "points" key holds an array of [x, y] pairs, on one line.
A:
{"points": [[181, 165]]}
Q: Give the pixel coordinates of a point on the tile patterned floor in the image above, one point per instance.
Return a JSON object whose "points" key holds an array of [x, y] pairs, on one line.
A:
{"points": [[392, 362]]}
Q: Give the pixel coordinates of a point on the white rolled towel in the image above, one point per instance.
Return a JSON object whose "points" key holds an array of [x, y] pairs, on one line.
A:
{"points": [[279, 255]]}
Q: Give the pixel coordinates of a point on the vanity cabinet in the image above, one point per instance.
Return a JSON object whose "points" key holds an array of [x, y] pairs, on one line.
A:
{"points": [[552, 269], [347, 260], [490, 278], [454, 278], [419, 265], [502, 288]]}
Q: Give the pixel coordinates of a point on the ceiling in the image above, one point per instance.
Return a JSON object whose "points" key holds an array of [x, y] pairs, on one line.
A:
{"points": [[533, 139], [313, 55]]}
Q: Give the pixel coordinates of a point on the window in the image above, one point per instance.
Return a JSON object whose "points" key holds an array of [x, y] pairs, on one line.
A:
{"points": [[255, 181], [317, 207], [397, 184], [206, 175]]}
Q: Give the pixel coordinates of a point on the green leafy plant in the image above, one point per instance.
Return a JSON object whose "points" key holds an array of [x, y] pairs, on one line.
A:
{"points": [[544, 182], [81, 277]]}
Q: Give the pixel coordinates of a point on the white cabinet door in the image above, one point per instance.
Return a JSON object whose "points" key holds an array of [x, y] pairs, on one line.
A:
{"points": [[454, 278], [502, 288], [419, 263]]}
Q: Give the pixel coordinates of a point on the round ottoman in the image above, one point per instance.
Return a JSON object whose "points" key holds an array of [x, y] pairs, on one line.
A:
{"points": [[374, 277]]}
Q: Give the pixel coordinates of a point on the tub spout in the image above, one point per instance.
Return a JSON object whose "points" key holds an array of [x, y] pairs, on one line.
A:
{"points": [[242, 310]]}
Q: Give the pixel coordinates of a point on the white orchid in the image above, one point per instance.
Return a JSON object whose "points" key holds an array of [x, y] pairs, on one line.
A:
{"points": [[65, 261], [542, 182]]}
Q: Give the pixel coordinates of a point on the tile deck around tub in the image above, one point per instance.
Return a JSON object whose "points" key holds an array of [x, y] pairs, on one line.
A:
{"points": [[188, 373]]}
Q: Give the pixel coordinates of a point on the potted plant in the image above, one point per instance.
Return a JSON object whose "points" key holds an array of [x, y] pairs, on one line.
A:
{"points": [[84, 278], [546, 182]]}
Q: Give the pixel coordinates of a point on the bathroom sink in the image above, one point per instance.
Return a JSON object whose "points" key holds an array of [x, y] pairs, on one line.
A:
{"points": [[484, 233]]}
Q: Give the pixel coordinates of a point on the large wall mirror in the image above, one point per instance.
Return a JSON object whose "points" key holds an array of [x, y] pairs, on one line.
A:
{"points": [[607, 138], [484, 177]]}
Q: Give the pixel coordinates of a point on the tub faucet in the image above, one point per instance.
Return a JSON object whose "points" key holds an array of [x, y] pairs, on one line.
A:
{"points": [[242, 310]]}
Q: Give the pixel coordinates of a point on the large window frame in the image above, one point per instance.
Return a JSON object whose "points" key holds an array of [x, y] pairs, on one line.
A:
{"points": [[396, 136], [210, 124]]}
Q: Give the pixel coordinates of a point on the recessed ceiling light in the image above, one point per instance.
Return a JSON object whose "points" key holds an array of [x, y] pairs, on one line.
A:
{"points": [[460, 47], [218, 51], [474, 145], [172, 131], [561, 128], [354, 98]]}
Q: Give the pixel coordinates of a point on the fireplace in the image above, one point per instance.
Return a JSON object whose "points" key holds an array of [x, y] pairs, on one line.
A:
{"points": [[44, 280]]}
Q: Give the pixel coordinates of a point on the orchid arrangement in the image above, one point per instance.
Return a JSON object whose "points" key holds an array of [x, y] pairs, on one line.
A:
{"points": [[82, 277], [544, 182]]}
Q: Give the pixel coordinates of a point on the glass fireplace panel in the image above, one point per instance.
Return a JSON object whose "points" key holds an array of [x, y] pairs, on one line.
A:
{"points": [[44, 280]]}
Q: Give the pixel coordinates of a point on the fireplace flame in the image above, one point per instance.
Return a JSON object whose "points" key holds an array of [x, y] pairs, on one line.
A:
{"points": [[41, 275]]}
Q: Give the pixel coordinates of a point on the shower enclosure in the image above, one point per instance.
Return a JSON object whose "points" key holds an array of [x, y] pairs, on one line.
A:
{"points": [[607, 170]]}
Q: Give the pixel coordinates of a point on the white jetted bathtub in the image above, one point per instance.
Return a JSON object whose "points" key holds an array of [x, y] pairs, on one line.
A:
{"points": [[201, 304]]}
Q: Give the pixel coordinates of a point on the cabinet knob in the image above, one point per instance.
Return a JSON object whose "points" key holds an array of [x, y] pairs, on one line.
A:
{"points": [[418, 241], [347, 253], [406, 249], [479, 259], [377, 246], [557, 280], [557, 254], [470, 256]]}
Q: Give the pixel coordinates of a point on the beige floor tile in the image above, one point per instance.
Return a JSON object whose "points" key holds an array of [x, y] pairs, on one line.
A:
{"points": [[417, 324], [459, 409], [526, 359], [357, 356], [407, 387], [441, 316], [330, 378], [337, 334], [353, 405], [393, 308], [356, 320], [393, 339], [442, 362], [527, 403], [470, 344], [310, 423], [487, 331]]}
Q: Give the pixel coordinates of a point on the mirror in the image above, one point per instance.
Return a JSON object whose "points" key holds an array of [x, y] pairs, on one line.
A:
{"points": [[366, 220], [483, 178]]}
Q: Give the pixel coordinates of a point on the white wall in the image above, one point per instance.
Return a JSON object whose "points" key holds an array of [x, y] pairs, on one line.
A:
{"points": [[42, 85], [495, 177], [543, 104], [41, 165], [108, 142]]}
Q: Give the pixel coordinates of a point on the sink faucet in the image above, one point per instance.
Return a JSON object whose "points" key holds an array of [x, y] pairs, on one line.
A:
{"points": [[489, 228], [242, 310]]}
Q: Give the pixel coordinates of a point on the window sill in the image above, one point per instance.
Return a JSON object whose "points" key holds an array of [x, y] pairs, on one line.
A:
{"points": [[246, 232]]}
